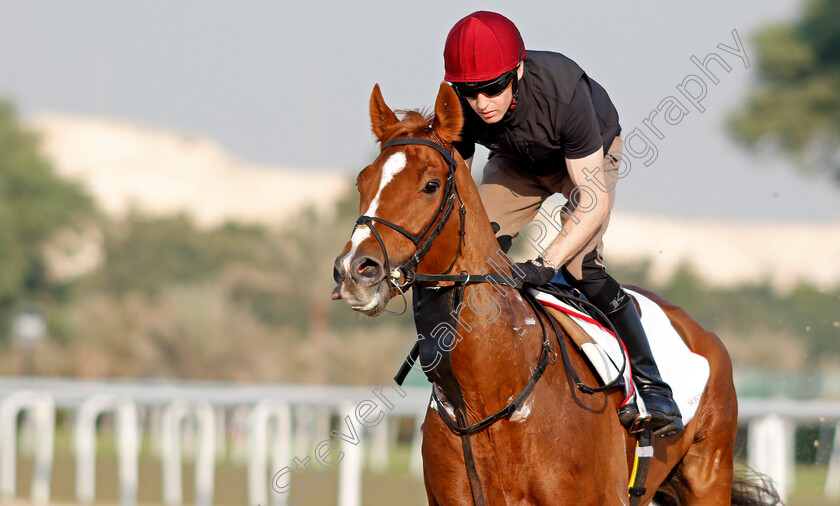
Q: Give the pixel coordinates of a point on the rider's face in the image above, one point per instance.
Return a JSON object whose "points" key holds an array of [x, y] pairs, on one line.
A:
{"points": [[492, 109]]}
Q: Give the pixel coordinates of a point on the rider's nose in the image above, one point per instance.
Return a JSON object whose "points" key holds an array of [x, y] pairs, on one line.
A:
{"points": [[368, 270]]}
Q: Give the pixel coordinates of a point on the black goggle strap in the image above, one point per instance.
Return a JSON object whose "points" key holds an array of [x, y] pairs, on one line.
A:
{"points": [[493, 87]]}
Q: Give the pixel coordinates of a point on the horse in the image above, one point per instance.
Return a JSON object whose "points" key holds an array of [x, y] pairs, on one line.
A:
{"points": [[420, 211]]}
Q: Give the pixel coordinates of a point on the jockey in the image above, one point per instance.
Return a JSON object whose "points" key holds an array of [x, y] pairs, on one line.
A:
{"points": [[551, 128]]}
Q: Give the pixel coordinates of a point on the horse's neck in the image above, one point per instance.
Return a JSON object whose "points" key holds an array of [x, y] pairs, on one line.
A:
{"points": [[500, 335], [499, 346], [481, 251]]}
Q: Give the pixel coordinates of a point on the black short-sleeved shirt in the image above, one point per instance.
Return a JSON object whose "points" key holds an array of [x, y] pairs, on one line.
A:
{"points": [[560, 113]]}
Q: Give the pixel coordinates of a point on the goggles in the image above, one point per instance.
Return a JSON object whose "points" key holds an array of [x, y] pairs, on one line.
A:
{"points": [[489, 88]]}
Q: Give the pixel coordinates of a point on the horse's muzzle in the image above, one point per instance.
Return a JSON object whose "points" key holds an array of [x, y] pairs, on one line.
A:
{"points": [[361, 284], [364, 270]]}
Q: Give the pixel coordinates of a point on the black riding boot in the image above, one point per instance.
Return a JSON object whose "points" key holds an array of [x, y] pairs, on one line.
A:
{"points": [[665, 415]]}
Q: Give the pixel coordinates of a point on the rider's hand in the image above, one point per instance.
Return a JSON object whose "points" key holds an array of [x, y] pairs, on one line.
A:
{"points": [[535, 273]]}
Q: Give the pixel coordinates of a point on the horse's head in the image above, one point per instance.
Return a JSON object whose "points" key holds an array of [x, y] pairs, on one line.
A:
{"points": [[407, 196]]}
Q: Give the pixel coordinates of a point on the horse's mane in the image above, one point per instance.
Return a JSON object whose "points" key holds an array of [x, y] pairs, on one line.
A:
{"points": [[414, 123]]}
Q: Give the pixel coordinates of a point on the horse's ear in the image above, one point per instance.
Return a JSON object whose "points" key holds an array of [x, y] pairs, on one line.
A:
{"points": [[381, 116], [448, 116]]}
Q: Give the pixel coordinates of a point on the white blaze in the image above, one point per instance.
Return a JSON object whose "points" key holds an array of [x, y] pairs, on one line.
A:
{"points": [[393, 165]]}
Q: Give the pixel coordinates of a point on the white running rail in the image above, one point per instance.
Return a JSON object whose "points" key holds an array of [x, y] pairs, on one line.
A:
{"points": [[39, 406], [284, 421], [128, 446]]}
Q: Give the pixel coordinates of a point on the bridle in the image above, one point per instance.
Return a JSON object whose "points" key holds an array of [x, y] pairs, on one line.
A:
{"points": [[407, 271], [422, 241]]}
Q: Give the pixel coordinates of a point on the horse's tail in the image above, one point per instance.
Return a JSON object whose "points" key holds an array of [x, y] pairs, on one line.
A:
{"points": [[749, 488], [754, 489]]}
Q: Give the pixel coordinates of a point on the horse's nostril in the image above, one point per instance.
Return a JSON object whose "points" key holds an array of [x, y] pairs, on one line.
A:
{"points": [[368, 268]]}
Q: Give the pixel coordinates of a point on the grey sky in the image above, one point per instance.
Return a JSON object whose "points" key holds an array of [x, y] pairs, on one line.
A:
{"points": [[288, 83]]}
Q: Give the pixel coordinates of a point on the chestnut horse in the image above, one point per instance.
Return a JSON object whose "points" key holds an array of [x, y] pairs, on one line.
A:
{"points": [[421, 211]]}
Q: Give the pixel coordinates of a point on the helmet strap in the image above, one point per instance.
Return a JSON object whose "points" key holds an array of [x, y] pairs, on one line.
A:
{"points": [[514, 86], [515, 83]]}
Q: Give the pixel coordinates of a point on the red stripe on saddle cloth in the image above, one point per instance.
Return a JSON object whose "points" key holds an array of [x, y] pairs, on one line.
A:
{"points": [[582, 316], [598, 324]]}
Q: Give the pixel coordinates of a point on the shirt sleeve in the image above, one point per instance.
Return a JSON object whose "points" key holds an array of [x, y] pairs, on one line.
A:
{"points": [[466, 146], [580, 131]]}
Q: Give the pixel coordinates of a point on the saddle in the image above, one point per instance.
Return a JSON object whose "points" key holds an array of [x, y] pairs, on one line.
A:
{"points": [[685, 371]]}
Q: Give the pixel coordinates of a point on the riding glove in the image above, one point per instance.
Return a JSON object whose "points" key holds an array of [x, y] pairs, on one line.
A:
{"points": [[534, 273]]}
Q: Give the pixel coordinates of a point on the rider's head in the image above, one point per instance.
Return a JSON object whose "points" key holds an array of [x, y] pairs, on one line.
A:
{"points": [[482, 56]]}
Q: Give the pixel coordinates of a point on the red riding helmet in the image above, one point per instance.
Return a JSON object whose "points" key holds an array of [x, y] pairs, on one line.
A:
{"points": [[481, 47]]}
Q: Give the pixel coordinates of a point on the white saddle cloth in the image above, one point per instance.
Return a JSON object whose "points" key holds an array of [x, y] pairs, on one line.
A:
{"points": [[685, 372]]}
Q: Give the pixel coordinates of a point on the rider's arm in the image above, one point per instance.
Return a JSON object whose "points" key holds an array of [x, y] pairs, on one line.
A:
{"points": [[468, 161], [594, 194]]}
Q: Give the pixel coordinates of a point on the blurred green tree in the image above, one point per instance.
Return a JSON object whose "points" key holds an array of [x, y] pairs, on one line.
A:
{"points": [[796, 105], [147, 254], [34, 205]]}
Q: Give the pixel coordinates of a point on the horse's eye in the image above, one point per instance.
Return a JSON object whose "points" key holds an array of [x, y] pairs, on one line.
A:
{"points": [[431, 187]]}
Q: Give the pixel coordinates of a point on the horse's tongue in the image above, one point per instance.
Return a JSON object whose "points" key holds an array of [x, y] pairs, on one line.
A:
{"points": [[336, 293]]}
